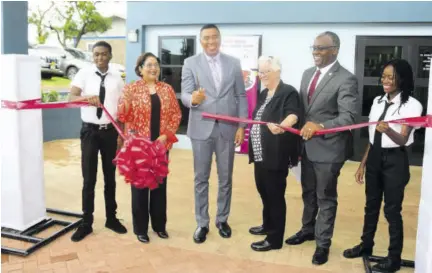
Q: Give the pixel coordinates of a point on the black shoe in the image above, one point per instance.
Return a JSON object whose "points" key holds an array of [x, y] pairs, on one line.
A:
{"points": [[162, 234], [200, 235], [300, 238], [320, 256], [82, 231], [224, 230], [257, 230], [263, 246], [387, 265], [357, 251], [115, 225], [143, 238]]}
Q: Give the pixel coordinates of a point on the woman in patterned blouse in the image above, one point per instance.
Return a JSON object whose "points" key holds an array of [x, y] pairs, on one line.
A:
{"points": [[149, 108], [273, 150]]}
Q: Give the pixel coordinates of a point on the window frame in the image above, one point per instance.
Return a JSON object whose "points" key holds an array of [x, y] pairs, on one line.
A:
{"points": [[160, 38], [162, 66], [89, 46]]}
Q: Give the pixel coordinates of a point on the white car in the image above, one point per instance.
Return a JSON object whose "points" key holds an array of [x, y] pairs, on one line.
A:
{"points": [[72, 59]]}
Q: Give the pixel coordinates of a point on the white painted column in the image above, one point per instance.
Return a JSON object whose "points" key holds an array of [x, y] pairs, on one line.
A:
{"points": [[1, 50], [21, 145], [1, 27], [423, 259]]}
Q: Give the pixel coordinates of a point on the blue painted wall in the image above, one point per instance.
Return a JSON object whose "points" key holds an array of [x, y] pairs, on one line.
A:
{"points": [[141, 14], [14, 25], [182, 12], [61, 124]]}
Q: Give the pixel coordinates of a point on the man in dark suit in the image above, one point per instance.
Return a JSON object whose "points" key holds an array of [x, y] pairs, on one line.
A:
{"points": [[329, 95]]}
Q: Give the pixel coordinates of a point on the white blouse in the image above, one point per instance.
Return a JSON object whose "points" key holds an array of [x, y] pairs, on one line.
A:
{"points": [[412, 108]]}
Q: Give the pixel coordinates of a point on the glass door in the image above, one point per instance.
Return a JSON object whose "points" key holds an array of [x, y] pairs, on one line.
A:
{"points": [[421, 62]]}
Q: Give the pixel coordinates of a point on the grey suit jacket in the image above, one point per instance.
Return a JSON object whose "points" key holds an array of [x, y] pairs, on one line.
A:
{"points": [[333, 104], [230, 100]]}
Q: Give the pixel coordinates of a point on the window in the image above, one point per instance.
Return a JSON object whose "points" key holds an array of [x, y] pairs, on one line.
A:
{"points": [[76, 53], [90, 46], [173, 50], [377, 56]]}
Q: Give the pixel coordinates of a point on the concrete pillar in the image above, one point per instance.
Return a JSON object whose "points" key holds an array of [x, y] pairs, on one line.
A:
{"points": [[21, 145], [423, 259]]}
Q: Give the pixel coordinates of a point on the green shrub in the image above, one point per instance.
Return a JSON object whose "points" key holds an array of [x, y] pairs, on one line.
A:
{"points": [[51, 96]]}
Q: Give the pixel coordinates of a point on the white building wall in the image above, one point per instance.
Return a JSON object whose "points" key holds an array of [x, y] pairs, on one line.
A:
{"points": [[291, 43]]}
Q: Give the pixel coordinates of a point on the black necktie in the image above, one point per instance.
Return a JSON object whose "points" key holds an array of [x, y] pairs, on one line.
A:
{"points": [[378, 135], [101, 93]]}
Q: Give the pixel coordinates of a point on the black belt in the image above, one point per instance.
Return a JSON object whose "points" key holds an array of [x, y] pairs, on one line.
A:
{"points": [[98, 126], [390, 150]]}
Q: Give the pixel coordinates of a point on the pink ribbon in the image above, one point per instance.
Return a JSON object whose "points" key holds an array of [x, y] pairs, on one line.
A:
{"points": [[424, 121], [38, 104], [143, 163]]}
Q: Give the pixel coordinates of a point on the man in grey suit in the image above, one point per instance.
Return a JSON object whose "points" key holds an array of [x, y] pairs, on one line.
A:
{"points": [[330, 99], [213, 82]]}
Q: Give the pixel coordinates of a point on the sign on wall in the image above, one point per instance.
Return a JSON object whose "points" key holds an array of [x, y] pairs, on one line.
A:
{"points": [[248, 49]]}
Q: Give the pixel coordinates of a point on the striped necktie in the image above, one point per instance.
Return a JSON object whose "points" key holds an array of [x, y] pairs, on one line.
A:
{"points": [[215, 73]]}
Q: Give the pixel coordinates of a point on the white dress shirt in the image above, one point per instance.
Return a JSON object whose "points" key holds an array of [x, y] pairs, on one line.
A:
{"points": [[324, 71], [412, 108], [89, 82]]}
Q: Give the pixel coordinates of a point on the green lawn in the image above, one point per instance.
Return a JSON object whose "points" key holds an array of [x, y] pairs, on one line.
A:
{"points": [[56, 83]]}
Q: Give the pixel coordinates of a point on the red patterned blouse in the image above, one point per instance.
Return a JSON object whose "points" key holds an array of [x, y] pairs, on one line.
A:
{"points": [[134, 110]]}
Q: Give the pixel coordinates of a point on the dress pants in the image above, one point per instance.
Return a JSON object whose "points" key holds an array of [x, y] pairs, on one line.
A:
{"points": [[271, 185], [203, 154], [157, 211], [319, 191], [387, 174], [94, 140]]}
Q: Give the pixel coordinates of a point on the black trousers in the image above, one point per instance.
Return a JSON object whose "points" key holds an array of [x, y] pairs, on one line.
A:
{"points": [[271, 185], [387, 174], [319, 194], [153, 202], [94, 140]]}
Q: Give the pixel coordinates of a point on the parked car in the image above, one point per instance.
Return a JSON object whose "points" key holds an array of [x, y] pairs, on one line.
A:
{"points": [[73, 59], [50, 63]]}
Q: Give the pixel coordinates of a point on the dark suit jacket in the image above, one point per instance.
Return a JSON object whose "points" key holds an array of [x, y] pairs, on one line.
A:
{"points": [[279, 151], [334, 103]]}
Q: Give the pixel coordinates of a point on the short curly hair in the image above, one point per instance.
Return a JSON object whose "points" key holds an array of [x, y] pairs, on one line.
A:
{"points": [[141, 60]]}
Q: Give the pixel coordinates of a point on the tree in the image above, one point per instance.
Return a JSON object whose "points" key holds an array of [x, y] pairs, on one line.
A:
{"points": [[78, 18], [37, 18]]}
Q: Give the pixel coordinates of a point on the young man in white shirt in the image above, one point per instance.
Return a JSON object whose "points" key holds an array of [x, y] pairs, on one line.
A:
{"points": [[98, 84]]}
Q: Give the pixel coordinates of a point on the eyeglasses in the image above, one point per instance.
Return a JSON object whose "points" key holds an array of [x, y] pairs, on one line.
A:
{"points": [[261, 73], [150, 66], [208, 38], [322, 48], [387, 77]]}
